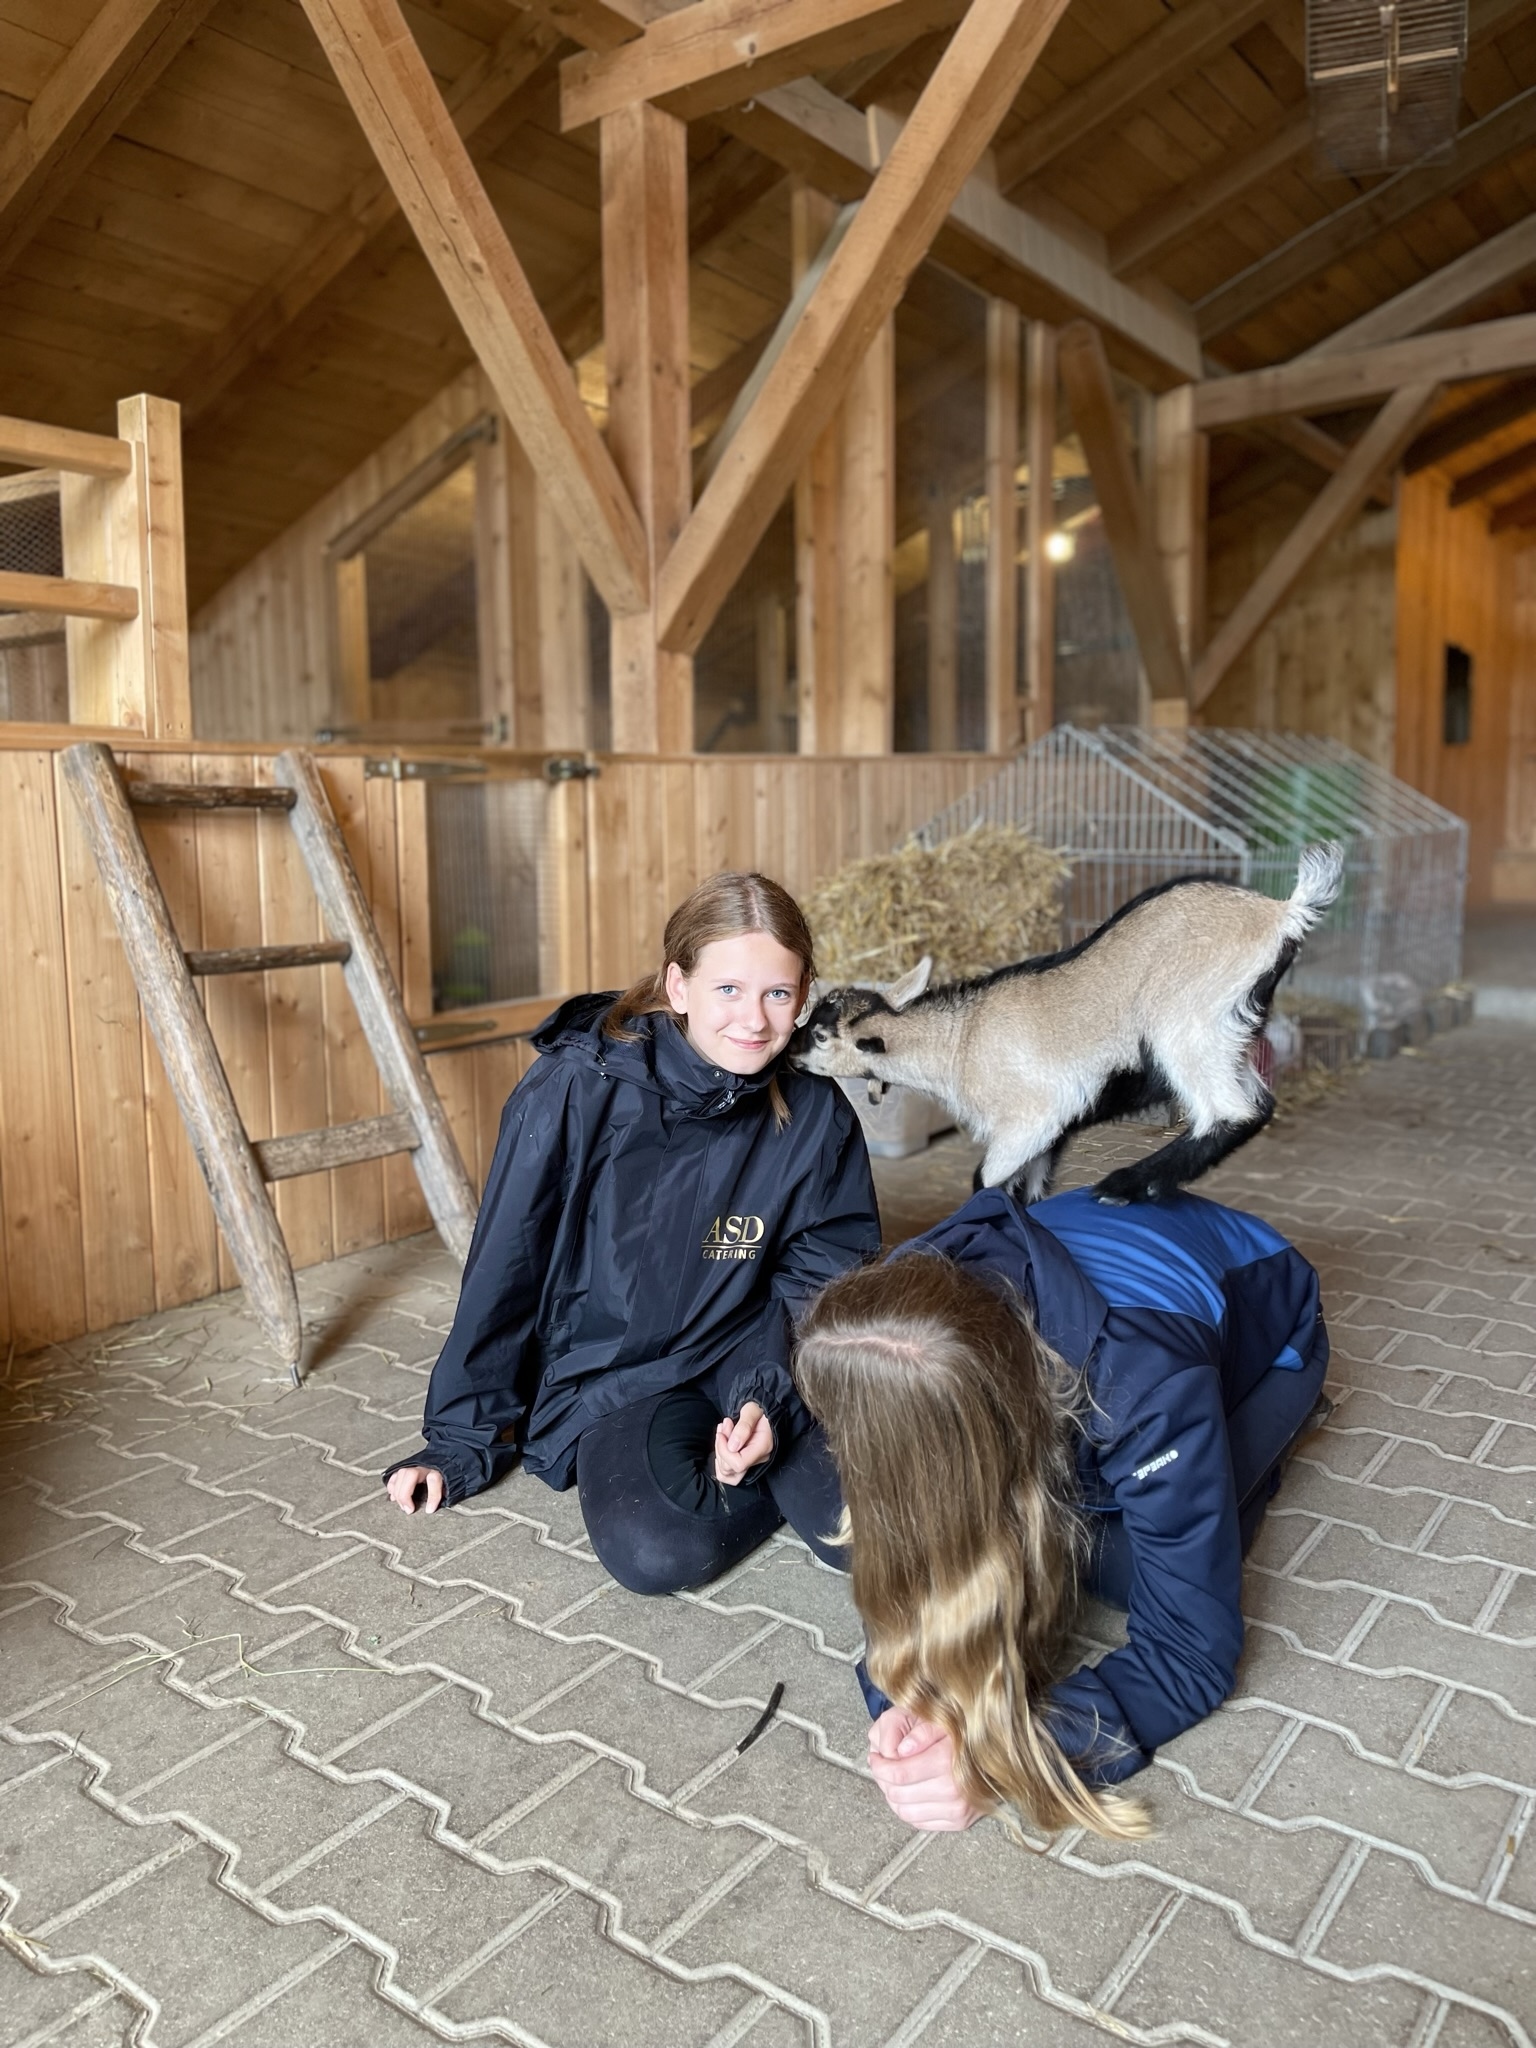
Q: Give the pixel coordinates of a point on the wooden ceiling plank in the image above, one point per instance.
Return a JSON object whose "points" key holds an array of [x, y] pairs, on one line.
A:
{"points": [[715, 52], [1178, 45], [122, 53], [421, 153], [1502, 470], [1085, 377], [1375, 454], [476, 98], [975, 82], [1472, 423], [1317, 248], [1519, 512]]}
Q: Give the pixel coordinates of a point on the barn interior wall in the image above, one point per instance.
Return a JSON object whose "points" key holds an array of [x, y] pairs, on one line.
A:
{"points": [[103, 1213], [1325, 662], [1459, 586]]}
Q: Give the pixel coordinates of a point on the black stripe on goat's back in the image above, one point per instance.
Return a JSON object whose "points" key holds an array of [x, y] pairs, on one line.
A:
{"points": [[1040, 963]]}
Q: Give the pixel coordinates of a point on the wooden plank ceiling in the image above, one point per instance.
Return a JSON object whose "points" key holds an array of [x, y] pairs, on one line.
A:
{"points": [[188, 207]]}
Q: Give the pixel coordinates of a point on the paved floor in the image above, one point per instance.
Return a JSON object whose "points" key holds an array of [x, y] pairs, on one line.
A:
{"points": [[284, 1769]]}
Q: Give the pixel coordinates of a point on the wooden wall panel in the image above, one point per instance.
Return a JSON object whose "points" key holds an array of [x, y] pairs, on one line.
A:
{"points": [[1457, 585]]}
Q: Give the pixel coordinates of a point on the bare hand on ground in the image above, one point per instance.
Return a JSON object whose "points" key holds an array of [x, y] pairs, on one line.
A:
{"points": [[914, 1765], [741, 1444], [402, 1487]]}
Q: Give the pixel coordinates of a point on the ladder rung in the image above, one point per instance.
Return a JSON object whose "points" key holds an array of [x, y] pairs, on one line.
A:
{"points": [[375, 1137], [261, 959], [208, 796]]}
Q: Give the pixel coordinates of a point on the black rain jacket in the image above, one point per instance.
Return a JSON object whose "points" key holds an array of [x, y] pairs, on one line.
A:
{"points": [[643, 1222]]}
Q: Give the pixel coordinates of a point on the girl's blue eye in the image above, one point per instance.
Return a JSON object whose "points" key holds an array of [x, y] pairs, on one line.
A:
{"points": [[780, 995], [726, 988]]}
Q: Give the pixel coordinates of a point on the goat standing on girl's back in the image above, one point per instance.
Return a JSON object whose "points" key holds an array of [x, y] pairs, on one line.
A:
{"points": [[1161, 1004]]}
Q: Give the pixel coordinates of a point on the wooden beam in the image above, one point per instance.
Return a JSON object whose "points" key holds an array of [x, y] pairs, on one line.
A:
{"points": [[1502, 260], [1001, 249], [122, 51], [484, 91], [1039, 522], [1178, 45], [1518, 513], [1376, 452], [1123, 506], [67, 596], [39, 447], [1002, 591], [645, 298], [1504, 469], [402, 114], [594, 24], [1179, 498], [1328, 241], [715, 52], [152, 428], [1319, 382], [1470, 424], [943, 629], [1142, 242]]}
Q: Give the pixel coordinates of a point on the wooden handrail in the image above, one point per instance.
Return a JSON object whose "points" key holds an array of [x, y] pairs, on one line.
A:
{"points": [[39, 447], [69, 595]]}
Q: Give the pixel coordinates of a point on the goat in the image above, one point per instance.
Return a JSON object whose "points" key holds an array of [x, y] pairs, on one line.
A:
{"points": [[1161, 1004]]}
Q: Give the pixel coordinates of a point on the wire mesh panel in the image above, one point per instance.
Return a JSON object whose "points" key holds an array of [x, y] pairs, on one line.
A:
{"points": [[486, 853], [1131, 807], [34, 671]]}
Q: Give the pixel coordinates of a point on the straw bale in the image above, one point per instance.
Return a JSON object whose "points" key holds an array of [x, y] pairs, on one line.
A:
{"points": [[990, 896]]}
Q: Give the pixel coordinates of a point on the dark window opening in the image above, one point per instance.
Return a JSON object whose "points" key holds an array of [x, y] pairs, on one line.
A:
{"points": [[1458, 697]]}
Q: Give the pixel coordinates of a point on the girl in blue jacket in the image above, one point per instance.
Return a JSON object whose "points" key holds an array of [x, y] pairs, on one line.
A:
{"points": [[1026, 1400], [666, 1193]]}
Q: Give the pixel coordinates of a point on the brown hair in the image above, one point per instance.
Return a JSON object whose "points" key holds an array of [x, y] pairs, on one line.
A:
{"points": [[724, 907], [954, 1426]]}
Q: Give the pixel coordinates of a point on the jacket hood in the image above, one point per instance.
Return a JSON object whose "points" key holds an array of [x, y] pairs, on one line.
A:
{"points": [[659, 1057]]}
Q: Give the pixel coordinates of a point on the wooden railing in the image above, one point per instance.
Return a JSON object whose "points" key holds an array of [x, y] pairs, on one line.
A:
{"points": [[123, 593]]}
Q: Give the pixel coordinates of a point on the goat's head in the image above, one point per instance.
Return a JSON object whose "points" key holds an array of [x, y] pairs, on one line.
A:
{"points": [[841, 1029]]}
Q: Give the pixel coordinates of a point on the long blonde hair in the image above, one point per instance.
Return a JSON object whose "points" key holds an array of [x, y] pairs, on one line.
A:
{"points": [[723, 907], [953, 1426]]}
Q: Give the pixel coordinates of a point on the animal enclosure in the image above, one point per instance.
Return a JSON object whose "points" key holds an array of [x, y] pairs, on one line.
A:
{"points": [[1131, 807]]}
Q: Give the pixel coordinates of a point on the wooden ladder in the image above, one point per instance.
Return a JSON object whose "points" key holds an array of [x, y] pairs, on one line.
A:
{"points": [[235, 1169]]}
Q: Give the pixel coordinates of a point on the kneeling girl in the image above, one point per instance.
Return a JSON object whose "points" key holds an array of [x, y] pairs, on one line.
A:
{"points": [[666, 1193], [1027, 1401]]}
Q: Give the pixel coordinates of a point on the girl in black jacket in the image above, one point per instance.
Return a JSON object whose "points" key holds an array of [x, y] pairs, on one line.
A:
{"points": [[666, 1192]]}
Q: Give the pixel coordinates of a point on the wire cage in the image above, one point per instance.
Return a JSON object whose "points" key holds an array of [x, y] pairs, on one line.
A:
{"points": [[1131, 807]]}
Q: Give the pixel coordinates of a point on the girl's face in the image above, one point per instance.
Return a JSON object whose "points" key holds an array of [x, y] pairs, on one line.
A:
{"points": [[740, 1002]]}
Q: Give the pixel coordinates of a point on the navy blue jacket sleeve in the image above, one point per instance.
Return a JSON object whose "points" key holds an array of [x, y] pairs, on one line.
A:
{"points": [[483, 1382], [834, 1224], [1170, 1472]]}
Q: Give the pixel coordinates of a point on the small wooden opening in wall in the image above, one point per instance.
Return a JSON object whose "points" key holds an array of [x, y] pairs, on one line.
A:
{"points": [[1457, 717]]}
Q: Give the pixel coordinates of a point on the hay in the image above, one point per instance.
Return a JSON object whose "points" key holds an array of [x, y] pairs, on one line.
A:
{"points": [[975, 902]]}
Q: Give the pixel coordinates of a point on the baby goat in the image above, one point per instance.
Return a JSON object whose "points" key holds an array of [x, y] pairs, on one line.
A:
{"points": [[1161, 1004]]}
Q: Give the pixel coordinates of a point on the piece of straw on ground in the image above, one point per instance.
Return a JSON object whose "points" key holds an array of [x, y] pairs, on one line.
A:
{"points": [[990, 896]]}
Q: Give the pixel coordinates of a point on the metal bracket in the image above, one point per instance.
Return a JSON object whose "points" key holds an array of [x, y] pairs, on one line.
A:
{"points": [[394, 769], [569, 768]]}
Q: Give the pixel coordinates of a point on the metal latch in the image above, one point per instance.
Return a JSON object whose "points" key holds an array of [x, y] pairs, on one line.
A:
{"points": [[394, 769], [569, 768]]}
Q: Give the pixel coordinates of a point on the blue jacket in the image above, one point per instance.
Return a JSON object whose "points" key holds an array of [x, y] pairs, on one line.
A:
{"points": [[643, 1222], [1176, 1309]]}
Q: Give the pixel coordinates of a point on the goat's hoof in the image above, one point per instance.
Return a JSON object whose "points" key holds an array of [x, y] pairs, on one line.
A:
{"points": [[1118, 1189]]}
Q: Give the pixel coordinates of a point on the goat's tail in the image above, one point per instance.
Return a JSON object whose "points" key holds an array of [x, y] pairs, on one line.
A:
{"points": [[1319, 878]]}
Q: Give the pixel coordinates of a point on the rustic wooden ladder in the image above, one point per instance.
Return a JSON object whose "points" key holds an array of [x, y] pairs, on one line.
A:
{"points": [[235, 1169]]}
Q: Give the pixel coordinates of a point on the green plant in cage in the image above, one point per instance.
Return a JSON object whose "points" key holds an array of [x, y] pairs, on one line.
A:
{"points": [[1297, 803], [468, 979]]}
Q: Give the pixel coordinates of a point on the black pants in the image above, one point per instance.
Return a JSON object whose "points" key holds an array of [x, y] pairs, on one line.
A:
{"points": [[660, 1521]]}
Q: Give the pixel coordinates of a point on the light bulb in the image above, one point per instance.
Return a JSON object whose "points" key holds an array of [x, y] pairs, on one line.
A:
{"points": [[1059, 546]]}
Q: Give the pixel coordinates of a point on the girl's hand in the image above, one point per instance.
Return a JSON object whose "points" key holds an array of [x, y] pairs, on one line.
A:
{"points": [[741, 1444], [914, 1766], [403, 1484]]}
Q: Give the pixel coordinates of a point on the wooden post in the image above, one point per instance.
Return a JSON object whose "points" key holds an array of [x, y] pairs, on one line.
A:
{"points": [[354, 685], [128, 529], [494, 622], [943, 627], [1040, 521], [1179, 481], [774, 710], [845, 528], [645, 298], [1002, 637]]}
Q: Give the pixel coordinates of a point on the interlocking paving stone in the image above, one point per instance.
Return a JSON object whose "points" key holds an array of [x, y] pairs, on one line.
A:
{"points": [[465, 1786]]}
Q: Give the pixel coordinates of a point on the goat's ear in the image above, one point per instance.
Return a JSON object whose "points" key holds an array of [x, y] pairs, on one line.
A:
{"points": [[814, 994], [911, 984]]}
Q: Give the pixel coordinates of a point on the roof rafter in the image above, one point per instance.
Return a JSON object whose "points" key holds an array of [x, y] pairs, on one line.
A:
{"points": [[1519, 512], [1472, 423], [1502, 470], [122, 52]]}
